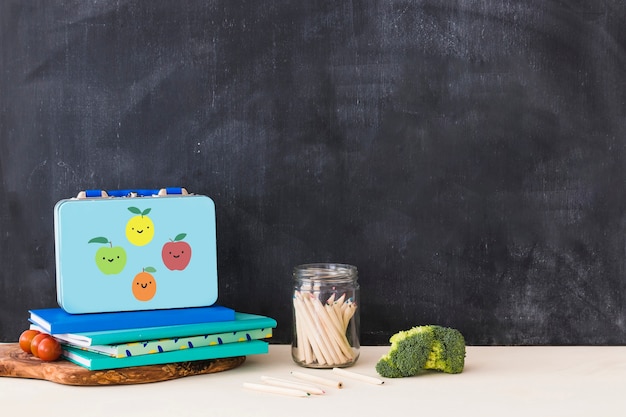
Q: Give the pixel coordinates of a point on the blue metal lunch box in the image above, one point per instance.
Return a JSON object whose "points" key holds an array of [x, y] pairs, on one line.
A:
{"points": [[135, 250]]}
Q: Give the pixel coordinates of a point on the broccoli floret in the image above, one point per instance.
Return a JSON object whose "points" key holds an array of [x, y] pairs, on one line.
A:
{"points": [[408, 353], [428, 347], [448, 351]]}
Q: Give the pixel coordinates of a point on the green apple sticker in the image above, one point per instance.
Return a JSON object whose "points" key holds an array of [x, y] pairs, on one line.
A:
{"points": [[109, 259]]}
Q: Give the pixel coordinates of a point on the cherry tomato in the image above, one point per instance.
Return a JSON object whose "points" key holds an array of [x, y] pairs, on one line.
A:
{"points": [[26, 338], [34, 344], [49, 349]]}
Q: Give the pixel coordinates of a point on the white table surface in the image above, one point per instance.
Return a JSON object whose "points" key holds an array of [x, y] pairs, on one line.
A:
{"points": [[497, 381]]}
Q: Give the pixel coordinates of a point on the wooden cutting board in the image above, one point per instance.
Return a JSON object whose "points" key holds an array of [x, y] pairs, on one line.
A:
{"points": [[18, 364]]}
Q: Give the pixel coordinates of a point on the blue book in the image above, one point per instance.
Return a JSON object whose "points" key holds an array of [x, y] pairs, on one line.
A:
{"points": [[57, 320], [241, 322], [96, 362]]}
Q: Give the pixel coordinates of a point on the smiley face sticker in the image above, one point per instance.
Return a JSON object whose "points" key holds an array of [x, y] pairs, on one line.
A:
{"points": [[139, 229], [144, 285], [109, 259]]}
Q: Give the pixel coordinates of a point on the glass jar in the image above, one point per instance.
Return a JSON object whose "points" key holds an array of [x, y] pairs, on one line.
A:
{"points": [[325, 315]]}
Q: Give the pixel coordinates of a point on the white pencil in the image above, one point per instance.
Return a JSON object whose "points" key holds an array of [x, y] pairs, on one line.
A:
{"points": [[360, 377], [275, 390], [311, 389], [317, 379]]}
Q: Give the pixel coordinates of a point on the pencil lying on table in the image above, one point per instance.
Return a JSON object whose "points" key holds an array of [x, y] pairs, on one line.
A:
{"points": [[360, 377], [317, 379], [311, 389], [275, 390]]}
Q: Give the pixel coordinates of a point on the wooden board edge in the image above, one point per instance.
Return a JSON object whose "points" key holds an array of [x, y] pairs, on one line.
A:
{"points": [[14, 363]]}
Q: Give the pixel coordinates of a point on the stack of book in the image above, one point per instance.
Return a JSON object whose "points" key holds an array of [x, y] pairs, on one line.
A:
{"points": [[100, 341]]}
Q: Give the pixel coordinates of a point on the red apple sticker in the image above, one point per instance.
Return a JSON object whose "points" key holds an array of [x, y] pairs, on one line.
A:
{"points": [[176, 254]]}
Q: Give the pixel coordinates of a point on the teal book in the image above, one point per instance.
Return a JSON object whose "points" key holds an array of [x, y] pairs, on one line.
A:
{"points": [[97, 362], [166, 345], [57, 320], [241, 321]]}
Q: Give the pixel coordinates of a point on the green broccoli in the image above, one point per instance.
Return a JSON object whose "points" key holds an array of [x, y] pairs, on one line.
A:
{"points": [[448, 351], [429, 347], [408, 353]]}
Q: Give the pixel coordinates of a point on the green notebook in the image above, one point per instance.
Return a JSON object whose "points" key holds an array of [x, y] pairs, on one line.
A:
{"points": [[166, 345], [96, 362]]}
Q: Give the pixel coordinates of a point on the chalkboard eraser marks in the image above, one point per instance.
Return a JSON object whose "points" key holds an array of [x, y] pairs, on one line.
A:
{"points": [[132, 193]]}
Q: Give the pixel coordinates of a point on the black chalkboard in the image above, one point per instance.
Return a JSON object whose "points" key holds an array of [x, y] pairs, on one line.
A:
{"points": [[468, 157]]}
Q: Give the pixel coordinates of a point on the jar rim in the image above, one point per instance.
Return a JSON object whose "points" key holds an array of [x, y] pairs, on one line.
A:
{"points": [[325, 271]]}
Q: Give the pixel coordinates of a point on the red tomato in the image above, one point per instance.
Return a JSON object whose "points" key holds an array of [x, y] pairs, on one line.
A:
{"points": [[26, 338], [49, 349], [34, 344]]}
